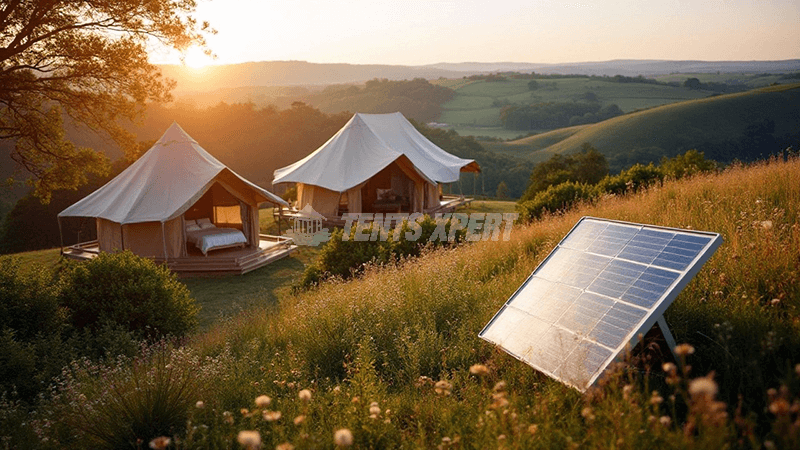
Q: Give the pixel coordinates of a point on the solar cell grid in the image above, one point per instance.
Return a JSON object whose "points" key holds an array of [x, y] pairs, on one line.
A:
{"points": [[597, 289]]}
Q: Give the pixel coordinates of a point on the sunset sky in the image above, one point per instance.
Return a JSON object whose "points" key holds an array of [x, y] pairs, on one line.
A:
{"points": [[414, 32]]}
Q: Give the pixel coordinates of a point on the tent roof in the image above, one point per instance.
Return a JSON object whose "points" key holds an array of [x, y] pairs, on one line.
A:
{"points": [[367, 144], [161, 185]]}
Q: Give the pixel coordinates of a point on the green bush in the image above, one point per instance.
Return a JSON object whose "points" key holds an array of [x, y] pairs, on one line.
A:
{"points": [[32, 328], [690, 163], [123, 293], [555, 198], [343, 259], [636, 177]]}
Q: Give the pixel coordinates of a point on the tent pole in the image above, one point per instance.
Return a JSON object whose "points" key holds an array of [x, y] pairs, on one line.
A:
{"points": [[164, 241], [280, 213], [60, 238]]}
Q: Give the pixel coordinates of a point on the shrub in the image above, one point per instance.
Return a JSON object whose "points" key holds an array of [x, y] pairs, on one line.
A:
{"points": [[32, 349], [346, 258], [555, 198], [129, 294], [128, 402], [636, 177]]}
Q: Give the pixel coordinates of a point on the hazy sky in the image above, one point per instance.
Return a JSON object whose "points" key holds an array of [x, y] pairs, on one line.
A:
{"points": [[542, 31]]}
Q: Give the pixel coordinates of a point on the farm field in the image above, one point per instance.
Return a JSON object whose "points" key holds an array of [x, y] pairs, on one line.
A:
{"points": [[476, 106]]}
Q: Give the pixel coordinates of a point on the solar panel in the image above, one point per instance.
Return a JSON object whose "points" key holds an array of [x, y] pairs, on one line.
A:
{"points": [[605, 282]]}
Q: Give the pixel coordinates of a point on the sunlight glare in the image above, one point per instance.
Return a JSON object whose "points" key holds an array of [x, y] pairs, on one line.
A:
{"points": [[195, 58]]}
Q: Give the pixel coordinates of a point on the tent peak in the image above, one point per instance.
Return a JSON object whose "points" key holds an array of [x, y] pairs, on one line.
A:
{"points": [[175, 134]]}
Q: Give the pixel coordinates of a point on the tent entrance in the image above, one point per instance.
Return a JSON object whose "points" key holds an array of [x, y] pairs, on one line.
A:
{"points": [[220, 206], [396, 188]]}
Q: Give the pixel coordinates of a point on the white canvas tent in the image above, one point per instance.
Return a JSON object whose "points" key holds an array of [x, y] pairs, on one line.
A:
{"points": [[373, 152], [143, 208]]}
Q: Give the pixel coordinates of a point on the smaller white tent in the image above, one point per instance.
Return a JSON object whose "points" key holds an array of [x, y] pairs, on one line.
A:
{"points": [[369, 145], [143, 208]]}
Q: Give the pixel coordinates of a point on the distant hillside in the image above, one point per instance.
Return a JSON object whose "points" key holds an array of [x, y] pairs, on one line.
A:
{"points": [[292, 73], [742, 126], [627, 67], [302, 73]]}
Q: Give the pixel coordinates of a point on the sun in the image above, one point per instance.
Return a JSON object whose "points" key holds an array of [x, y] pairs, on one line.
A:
{"points": [[195, 58]]}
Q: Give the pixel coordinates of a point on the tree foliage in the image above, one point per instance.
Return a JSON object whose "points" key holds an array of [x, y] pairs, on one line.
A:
{"points": [[587, 167], [88, 61]]}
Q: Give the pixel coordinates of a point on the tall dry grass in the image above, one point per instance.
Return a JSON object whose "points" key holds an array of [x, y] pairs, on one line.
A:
{"points": [[388, 355]]}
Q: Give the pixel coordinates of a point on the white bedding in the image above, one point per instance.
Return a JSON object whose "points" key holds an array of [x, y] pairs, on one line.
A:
{"points": [[212, 238]]}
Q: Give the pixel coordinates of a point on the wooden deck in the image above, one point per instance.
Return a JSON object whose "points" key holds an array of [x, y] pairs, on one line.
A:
{"points": [[449, 204], [234, 261]]}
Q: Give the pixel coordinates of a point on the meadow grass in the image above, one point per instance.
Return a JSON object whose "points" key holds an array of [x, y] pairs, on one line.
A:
{"points": [[391, 356]]}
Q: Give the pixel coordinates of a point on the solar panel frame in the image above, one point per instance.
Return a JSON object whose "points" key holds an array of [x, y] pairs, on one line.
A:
{"points": [[676, 267]]}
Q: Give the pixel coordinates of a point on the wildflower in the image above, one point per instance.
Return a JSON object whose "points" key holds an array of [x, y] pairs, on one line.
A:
{"points": [[656, 399], [160, 442], [797, 369], [665, 420], [501, 437], [669, 368], [374, 409], [587, 413], [355, 400], [775, 302], [271, 416], [626, 391], [200, 404], [337, 389], [343, 437], [299, 419], [479, 370], [262, 401], [227, 417], [304, 395], [249, 439], [703, 386], [533, 428], [500, 386], [499, 402], [284, 446], [767, 224], [442, 387], [244, 411], [779, 407], [684, 350]]}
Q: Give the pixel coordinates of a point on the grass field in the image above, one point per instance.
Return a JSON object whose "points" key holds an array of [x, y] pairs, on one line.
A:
{"points": [[471, 112], [669, 129], [389, 356], [751, 80]]}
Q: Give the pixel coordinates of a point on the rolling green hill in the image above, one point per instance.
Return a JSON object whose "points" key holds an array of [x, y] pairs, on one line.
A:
{"points": [[719, 126], [475, 110]]}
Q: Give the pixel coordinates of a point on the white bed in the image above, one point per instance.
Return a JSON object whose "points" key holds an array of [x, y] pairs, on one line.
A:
{"points": [[206, 237]]}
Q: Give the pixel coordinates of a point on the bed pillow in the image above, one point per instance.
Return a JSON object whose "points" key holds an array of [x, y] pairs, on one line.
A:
{"points": [[193, 227], [203, 220], [206, 225], [191, 222]]}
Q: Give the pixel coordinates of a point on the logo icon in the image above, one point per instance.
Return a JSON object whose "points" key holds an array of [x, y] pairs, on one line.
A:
{"points": [[307, 228]]}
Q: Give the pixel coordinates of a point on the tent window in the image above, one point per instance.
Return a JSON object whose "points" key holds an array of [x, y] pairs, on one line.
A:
{"points": [[227, 214]]}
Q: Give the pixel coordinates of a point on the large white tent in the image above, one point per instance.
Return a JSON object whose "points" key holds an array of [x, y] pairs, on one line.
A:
{"points": [[144, 207], [370, 145]]}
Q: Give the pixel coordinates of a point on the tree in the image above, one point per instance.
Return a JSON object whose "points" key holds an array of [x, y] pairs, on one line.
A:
{"points": [[85, 60]]}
